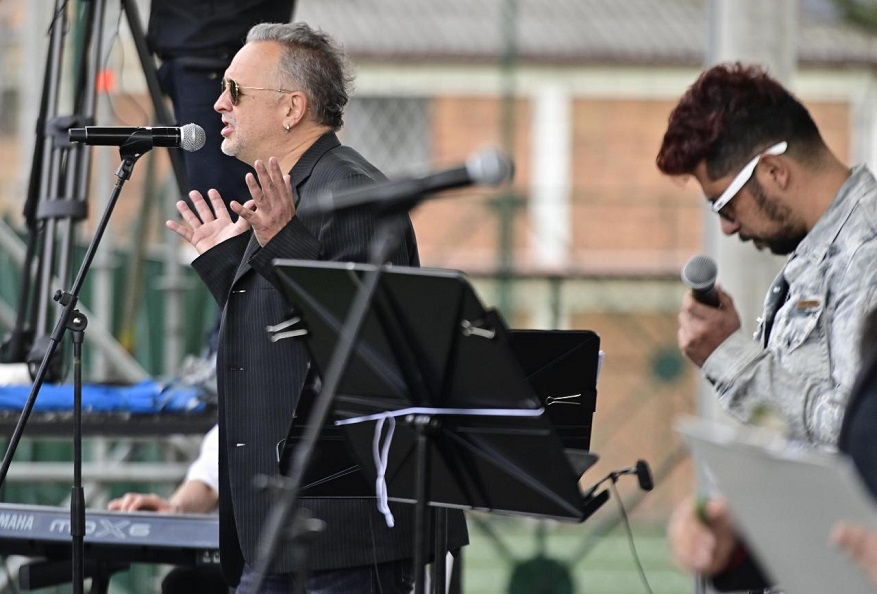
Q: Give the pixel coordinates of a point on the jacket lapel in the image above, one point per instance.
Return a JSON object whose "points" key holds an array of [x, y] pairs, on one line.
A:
{"points": [[244, 265]]}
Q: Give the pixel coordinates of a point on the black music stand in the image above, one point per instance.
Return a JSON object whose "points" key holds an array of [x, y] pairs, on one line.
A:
{"points": [[561, 367], [472, 433]]}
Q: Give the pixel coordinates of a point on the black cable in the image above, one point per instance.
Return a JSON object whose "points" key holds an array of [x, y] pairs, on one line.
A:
{"points": [[623, 512], [112, 44]]}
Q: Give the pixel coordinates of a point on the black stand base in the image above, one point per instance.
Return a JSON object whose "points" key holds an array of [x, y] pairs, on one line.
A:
{"points": [[43, 574]]}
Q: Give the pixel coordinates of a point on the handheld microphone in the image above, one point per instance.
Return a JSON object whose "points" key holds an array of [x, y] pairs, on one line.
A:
{"points": [[190, 137], [490, 168], [699, 274]]}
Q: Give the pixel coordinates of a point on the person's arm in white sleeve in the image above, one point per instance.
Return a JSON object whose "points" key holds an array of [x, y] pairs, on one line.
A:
{"points": [[198, 494]]}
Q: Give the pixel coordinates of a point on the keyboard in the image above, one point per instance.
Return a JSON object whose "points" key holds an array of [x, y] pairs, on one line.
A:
{"points": [[134, 537]]}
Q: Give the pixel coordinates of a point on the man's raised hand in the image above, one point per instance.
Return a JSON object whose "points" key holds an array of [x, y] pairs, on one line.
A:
{"points": [[204, 229], [273, 200]]}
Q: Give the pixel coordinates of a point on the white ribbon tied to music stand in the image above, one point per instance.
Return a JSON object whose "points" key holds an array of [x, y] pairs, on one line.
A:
{"points": [[382, 453]]}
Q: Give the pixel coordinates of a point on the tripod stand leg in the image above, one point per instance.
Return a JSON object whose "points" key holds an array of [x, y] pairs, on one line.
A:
{"points": [[66, 167], [62, 169]]}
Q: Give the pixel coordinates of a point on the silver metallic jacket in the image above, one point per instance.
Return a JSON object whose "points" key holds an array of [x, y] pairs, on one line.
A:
{"points": [[807, 369]]}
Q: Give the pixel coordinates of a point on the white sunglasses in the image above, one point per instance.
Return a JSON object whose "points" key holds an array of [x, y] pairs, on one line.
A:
{"points": [[740, 180]]}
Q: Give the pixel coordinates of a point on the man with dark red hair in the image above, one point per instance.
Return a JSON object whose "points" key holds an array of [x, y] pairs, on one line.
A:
{"points": [[769, 176]]}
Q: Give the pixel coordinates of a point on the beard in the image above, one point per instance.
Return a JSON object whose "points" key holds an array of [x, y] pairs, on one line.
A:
{"points": [[783, 246], [789, 234], [228, 148]]}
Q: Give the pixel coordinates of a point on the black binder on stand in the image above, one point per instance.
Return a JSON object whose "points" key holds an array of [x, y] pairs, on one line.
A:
{"points": [[562, 367], [429, 348]]}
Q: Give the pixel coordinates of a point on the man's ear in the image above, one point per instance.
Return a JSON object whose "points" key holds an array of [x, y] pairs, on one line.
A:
{"points": [[296, 108], [778, 169]]}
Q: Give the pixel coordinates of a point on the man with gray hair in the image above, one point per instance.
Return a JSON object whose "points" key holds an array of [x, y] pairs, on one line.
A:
{"points": [[282, 101]]}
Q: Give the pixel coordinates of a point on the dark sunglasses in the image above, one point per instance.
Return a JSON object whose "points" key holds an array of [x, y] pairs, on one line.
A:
{"points": [[234, 89]]}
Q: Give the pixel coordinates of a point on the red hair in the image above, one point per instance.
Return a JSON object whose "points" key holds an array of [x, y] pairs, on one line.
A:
{"points": [[730, 113]]}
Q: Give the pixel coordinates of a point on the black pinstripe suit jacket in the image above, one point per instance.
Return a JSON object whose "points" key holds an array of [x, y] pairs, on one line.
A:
{"points": [[259, 381]]}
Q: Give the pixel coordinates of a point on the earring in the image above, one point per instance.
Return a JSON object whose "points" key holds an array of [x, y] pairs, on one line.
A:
{"points": [[288, 127]]}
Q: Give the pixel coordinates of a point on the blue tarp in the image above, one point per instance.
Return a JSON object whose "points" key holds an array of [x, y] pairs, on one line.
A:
{"points": [[148, 396]]}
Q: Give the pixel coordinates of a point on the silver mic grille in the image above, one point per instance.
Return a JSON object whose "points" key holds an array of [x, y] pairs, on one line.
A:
{"points": [[192, 137], [490, 167], [699, 272]]}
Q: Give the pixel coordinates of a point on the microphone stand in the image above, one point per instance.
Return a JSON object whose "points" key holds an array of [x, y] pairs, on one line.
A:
{"points": [[71, 318]]}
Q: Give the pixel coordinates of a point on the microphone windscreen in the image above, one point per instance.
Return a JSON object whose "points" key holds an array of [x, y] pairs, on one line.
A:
{"points": [[700, 273], [192, 137], [491, 167], [644, 476]]}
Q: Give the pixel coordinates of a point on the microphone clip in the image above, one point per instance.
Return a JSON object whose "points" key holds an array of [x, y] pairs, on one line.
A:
{"points": [[641, 470], [138, 144]]}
